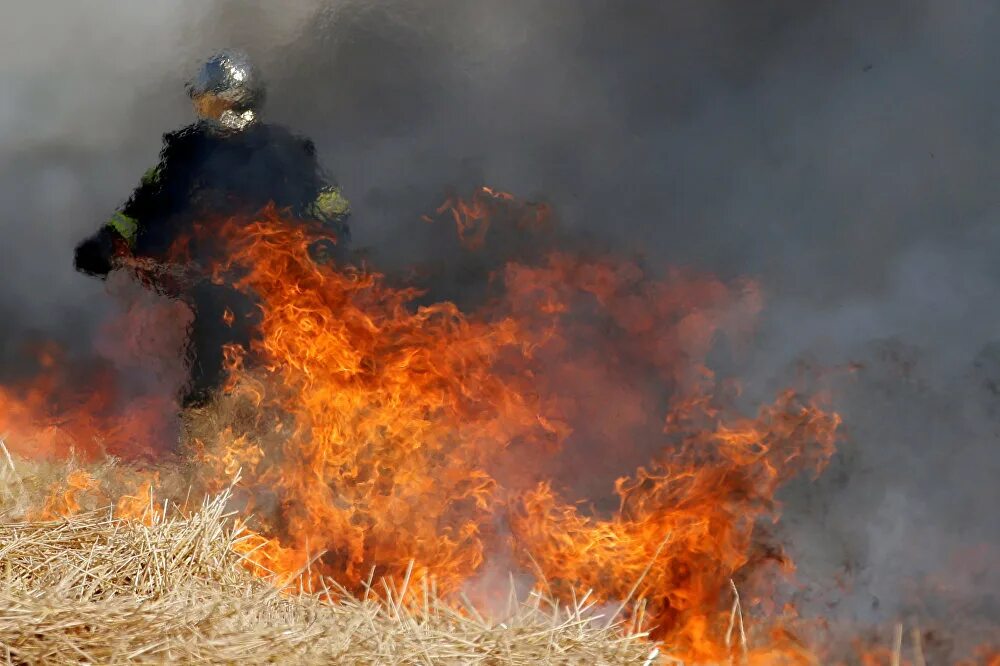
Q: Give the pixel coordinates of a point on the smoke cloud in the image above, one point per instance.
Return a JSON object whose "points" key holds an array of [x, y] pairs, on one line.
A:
{"points": [[843, 154]]}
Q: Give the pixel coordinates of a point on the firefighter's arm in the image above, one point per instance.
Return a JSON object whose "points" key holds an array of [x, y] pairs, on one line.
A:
{"points": [[331, 207], [97, 255], [328, 205]]}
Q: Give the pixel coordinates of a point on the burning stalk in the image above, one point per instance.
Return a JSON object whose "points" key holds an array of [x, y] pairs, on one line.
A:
{"points": [[736, 615]]}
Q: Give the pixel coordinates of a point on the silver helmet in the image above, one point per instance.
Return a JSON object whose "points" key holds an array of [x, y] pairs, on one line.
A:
{"points": [[230, 76]]}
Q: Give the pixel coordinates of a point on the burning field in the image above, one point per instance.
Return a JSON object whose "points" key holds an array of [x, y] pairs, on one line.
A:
{"points": [[552, 474]]}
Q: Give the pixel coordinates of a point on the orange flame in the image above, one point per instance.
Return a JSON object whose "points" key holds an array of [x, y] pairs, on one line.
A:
{"points": [[141, 506], [684, 526], [571, 426], [65, 408], [412, 439], [474, 217], [64, 497]]}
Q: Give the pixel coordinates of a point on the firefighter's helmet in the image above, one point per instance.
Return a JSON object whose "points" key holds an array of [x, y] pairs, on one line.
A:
{"points": [[230, 76]]}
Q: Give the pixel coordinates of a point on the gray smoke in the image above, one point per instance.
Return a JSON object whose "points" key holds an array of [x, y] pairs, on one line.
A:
{"points": [[844, 154]]}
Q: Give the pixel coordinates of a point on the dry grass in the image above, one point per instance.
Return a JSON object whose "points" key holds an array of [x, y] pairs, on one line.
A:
{"points": [[96, 589]]}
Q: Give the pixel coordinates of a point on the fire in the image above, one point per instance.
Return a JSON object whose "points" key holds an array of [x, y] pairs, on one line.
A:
{"points": [[570, 425], [63, 498], [139, 506], [474, 217], [132, 496], [84, 407], [395, 416], [684, 526], [402, 441]]}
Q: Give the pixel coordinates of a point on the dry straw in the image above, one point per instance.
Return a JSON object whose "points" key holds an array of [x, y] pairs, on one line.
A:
{"points": [[96, 589]]}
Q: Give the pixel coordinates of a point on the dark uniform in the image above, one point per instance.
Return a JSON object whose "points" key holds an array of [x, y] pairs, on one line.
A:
{"points": [[208, 172]]}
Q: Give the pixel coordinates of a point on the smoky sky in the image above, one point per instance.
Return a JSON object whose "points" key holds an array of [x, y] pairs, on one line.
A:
{"points": [[841, 153]]}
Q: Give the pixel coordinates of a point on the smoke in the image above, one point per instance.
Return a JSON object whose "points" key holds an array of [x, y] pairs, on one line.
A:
{"points": [[841, 153]]}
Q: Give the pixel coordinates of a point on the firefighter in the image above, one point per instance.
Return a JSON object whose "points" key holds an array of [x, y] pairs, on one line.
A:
{"points": [[227, 163]]}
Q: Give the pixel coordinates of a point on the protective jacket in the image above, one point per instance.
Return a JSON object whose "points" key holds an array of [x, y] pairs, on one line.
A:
{"points": [[209, 173], [205, 173]]}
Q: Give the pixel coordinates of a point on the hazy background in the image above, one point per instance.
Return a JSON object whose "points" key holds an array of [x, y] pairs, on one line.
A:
{"points": [[843, 153]]}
